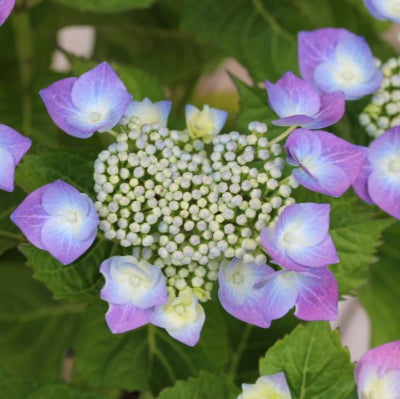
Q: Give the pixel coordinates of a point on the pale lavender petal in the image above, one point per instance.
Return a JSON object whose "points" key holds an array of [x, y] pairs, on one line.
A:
{"points": [[280, 294], [371, 385], [372, 8], [319, 255], [122, 318], [384, 9], [331, 111], [6, 6], [189, 335], [165, 109], [13, 142], [318, 295], [293, 96], [385, 146], [385, 192], [7, 169], [279, 383], [302, 143], [30, 216], [360, 184], [315, 47], [149, 112], [295, 120], [219, 116], [57, 99], [267, 386]]}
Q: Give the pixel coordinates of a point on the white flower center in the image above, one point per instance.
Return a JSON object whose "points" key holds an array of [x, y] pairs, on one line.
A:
{"points": [[238, 278], [289, 238], [96, 116], [72, 216], [394, 166]]}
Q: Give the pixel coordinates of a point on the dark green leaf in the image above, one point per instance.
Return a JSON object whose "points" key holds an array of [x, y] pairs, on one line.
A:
{"points": [[106, 5], [314, 363]]}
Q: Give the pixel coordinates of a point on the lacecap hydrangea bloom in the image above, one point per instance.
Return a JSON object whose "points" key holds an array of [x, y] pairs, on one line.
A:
{"points": [[13, 147], [379, 180], [6, 6], [384, 9], [378, 372], [337, 60], [59, 219], [267, 386], [298, 103]]}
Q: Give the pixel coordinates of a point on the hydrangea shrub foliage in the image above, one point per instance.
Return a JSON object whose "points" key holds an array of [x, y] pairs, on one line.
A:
{"points": [[161, 238]]}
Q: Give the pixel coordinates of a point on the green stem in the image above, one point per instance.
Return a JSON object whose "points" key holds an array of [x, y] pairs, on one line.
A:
{"points": [[14, 236], [24, 49], [112, 132], [282, 136]]}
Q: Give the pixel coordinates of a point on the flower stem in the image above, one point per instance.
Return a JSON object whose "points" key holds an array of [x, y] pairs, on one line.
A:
{"points": [[112, 132], [282, 136]]}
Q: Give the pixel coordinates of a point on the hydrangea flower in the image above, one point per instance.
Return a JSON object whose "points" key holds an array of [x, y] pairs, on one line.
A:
{"points": [[96, 101], [59, 219], [378, 372], [267, 386], [259, 294], [204, 124], [379, 180], [326, 163], [13, 147], [149, 112], [6, 7], [300, 238], [298, 103], [133, 288], [384, 9], [337, 60], [182, 317]]}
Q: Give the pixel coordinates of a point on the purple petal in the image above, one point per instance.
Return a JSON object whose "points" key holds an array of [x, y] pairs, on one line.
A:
{"points": [[317, 46], [13, 142], [372, 6], [280, 294], [293, 96], [7, 169], [384, 147], [295, 120], [360, 184], [331, 111], [302, 144], [383, 9], [122, 318], [30, 216], [6, 7], [318, 295]]}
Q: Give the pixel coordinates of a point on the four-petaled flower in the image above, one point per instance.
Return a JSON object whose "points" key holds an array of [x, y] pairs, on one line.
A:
{"points": [[96, 101], [13, 147], [59, 219], [337, 60], [298, 103]]}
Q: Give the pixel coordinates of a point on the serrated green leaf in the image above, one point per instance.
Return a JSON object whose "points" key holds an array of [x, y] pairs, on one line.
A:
{"points": [[15, 387], [314, 362], [356, 229], [106, 5], [205, 386], [146, 358], [380, 296], [79, 281], [74, 167], [35, 330]]}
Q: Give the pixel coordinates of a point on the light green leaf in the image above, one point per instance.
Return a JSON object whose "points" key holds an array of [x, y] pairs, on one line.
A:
{"points": [[205, 386], [314, 362], [381, 295], [146, 358], [106, 5], [79, 281], [34, 329]]}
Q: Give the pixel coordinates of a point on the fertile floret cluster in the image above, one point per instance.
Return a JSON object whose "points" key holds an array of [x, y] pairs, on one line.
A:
{"points": [[186, 205], [384, 110]]}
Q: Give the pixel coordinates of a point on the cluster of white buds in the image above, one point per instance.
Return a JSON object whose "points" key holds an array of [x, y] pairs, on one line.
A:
{"points": [[187, 206], [384, 110]]}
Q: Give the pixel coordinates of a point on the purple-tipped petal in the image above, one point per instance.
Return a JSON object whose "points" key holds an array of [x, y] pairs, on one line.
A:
{"points": [[13, 142], [30, 216], [267, 386], [149, 112], [360, 184], [131, 281], [6, 6], [293, 96], [122, 318], [318, 295], [280, 294], [7, 169]]}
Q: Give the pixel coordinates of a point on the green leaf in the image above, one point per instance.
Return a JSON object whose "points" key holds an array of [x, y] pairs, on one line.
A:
{"points": [[74, 167], [356, 229], [10, 236], [380, 296], [35, 330], [205, 386], [106, 5], [15, 387], [146, 358], [79, 281], [314, 362]]}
